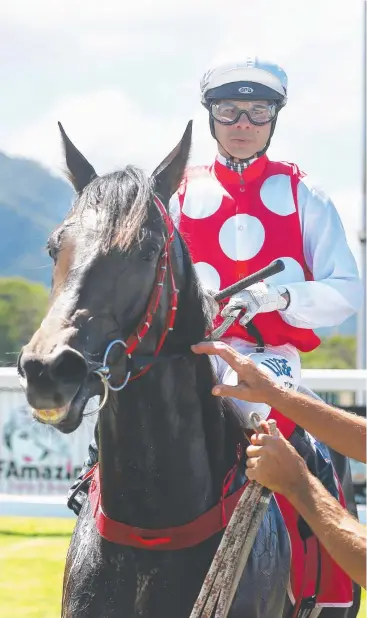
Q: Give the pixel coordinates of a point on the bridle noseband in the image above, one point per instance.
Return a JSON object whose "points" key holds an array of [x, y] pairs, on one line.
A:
{"points": [[164, 271]]}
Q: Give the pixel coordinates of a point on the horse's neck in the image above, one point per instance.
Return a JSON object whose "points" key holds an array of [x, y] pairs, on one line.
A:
{"points": [[156, 469]]}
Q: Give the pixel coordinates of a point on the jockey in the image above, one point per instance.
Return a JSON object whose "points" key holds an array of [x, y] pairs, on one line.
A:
{"points": [[242, 212], [251, 210]]}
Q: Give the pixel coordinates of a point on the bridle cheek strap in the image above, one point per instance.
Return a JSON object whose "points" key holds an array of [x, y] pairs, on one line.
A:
{"points": [[164, 272]]}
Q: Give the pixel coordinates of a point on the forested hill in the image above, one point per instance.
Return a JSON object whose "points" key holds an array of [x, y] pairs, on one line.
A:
{"points": [[32, 202]]}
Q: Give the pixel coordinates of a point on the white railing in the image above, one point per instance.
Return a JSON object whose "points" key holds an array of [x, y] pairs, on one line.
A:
{"points": [[38, 463], [335, 379], [317, 379], [350, 384]]}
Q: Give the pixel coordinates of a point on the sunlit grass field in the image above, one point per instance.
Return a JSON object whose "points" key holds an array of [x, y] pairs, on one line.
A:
{"points": [[32, 558]]}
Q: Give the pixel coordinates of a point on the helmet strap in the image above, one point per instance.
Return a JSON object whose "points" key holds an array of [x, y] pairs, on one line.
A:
{"points": [[263, 151]]}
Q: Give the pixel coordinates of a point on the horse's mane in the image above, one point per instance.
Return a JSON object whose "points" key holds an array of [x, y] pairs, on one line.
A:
{"points": [[194, 319], [124, 198]]}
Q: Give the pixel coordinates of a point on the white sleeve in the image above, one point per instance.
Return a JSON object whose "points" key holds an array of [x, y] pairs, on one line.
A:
{"points": [[175, 210], [336, 292]]}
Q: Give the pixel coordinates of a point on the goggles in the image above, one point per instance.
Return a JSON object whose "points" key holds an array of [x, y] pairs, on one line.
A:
{"points": [[227, 112]]}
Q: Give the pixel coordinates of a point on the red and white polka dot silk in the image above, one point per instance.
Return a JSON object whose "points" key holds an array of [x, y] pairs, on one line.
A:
{"points": [[234, 224]]}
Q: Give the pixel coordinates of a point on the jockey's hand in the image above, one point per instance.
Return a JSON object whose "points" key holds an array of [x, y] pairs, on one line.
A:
{"points": [[273, 462], [253, 384], [258, 298]]}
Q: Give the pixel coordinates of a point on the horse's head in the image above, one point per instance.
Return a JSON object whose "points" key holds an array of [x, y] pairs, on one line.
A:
{"points": [[115, 276]]}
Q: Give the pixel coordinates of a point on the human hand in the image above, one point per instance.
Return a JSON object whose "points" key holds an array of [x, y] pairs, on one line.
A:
{"points": [[274, 463], [253, 384], [258, 298]]}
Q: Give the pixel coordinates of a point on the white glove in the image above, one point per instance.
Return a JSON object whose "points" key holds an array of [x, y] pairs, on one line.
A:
{"points": [[258, 298]]}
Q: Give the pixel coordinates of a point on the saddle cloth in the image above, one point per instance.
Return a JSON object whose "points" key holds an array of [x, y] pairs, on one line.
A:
{"points": [[335, 588]]}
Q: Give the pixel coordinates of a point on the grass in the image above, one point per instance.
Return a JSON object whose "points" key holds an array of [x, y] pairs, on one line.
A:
{"points": [[32, 558], [363, 609]]}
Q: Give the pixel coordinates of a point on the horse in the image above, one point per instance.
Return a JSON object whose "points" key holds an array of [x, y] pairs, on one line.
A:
{"points": [[125, 307]]}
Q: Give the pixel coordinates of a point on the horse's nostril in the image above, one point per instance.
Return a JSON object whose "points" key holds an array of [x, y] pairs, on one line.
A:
{"points": [[69, 366], [30, 368]]}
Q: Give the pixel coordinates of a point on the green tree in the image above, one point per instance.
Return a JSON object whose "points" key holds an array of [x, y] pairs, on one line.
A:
{"points": [[23, 305], [336, 352]]}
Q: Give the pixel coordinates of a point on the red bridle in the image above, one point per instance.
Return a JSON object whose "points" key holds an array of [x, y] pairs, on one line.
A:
{"points": [[164, 271]]}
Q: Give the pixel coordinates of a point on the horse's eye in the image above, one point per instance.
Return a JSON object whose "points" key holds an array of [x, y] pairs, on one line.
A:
{"points": [[51, 250], [150, 251]]}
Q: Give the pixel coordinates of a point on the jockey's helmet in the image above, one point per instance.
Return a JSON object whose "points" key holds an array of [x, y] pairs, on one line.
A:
{"points": [[244, 78]]}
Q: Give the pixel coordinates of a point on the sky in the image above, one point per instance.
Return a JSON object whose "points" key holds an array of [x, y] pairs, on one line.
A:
{"points": [[123, 78]]}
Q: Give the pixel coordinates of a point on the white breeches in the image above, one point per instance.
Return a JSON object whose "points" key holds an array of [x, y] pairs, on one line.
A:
{"points": [[281, 363]]}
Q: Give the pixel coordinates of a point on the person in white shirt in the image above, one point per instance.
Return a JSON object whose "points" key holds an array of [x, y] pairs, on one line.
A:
{"points": [[244, 211]]}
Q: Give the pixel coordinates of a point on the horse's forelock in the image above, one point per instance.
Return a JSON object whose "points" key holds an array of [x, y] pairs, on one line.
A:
{"points": [[125, 197]]}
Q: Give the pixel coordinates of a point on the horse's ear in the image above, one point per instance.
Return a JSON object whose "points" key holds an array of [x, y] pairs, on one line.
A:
{"points": [[80, 171], [169, 173]]}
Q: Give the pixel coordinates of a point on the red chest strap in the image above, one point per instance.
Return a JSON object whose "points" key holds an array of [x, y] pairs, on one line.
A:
{"points": [[177, 537]]}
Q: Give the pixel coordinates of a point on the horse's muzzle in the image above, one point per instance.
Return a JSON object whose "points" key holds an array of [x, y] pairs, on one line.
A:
{"points": [[52, 381]]}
